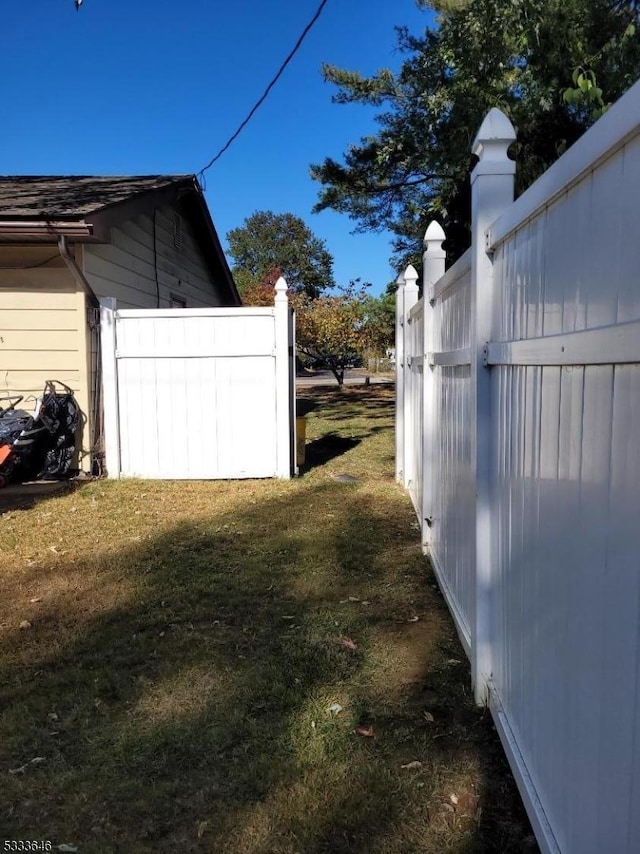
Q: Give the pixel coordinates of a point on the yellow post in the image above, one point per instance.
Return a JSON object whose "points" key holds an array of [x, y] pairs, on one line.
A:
{"points": [[301, 436]]}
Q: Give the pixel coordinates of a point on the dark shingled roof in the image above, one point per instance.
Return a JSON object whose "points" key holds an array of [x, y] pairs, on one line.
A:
{"points": [[67, 197]]}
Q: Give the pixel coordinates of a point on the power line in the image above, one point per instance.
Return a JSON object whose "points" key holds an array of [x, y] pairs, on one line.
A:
{"points": [[265, 94], [34, 266]]}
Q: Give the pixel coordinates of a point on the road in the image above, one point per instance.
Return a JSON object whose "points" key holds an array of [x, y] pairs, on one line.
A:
{"points": [[351, 377]]}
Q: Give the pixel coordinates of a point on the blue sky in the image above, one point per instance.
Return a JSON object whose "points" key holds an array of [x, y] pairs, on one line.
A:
{"points": [[153, 86]]}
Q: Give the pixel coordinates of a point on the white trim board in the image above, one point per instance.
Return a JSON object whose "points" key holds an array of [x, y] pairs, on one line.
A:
{"points": [[605, 345], [451, 358], [540, 823]]}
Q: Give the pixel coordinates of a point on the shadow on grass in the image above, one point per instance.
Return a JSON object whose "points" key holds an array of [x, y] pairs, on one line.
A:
{"points": [[326, 448], [360, 413], [24, 496], [193, 713]]}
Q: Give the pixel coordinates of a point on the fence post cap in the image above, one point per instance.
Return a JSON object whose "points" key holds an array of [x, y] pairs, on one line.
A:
{"points": [[400, 281], [411, 278], [494, 137], [281, 290], [434, 233]]}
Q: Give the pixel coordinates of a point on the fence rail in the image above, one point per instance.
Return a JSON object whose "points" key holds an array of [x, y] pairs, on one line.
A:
{"points": [[519, 411]]}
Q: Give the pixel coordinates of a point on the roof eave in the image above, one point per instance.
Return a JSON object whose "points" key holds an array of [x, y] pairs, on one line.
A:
{"points": [[44, 232]]}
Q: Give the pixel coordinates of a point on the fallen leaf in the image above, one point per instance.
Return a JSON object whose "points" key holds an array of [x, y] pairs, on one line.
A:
{"points": [[454, 800], [287, 617], [448, 807], [35, 599], [354, 599], [335, 708], [365, 602], [366, 731], [348, 643], [411, 766], [25, 624], [413, 619], [428, 717], [37, 760], [203, 826]]}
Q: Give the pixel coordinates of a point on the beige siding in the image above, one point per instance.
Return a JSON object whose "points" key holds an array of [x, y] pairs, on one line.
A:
{"points": [[42, 329], [126, 267]]}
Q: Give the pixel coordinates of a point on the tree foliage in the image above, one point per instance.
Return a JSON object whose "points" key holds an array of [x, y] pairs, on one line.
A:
{"points": [[268, 245], [335, 328], [379, 320], [332, 328], [552, 66], [261, 293]]}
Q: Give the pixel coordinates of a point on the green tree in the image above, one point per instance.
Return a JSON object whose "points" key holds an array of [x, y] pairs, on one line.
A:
{"points": [[268, 245], [551, 65], [379, 322], [332, 328]]}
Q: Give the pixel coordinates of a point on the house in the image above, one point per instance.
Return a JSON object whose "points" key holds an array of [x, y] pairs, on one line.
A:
{"points": [[65, 243]]}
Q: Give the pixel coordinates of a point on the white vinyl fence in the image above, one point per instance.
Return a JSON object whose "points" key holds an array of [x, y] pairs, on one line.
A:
{"points": [[199, 393], [522, 435]]}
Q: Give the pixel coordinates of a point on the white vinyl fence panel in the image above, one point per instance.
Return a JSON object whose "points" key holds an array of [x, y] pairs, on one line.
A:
{"points": [[452, 531], [531, 456], [196, 393], [567, 496], [414, 398]]}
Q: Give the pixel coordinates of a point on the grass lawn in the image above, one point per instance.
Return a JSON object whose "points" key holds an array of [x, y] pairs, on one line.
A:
{"points": [[256, 667]]}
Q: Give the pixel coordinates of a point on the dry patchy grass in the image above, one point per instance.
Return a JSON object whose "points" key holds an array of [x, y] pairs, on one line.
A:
{"points": [[170, 652]]}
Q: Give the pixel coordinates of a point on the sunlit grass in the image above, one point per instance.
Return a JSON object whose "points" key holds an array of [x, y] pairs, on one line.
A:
{"points": [[193, 666]]}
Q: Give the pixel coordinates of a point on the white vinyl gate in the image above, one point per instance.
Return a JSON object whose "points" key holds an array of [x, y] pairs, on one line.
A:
{"points": [[198, 393]]}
